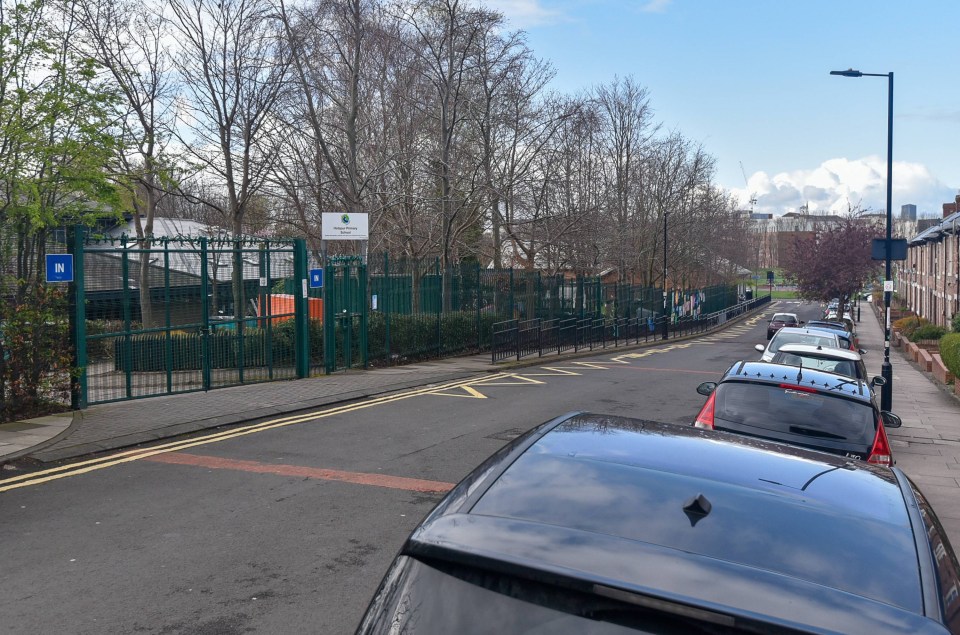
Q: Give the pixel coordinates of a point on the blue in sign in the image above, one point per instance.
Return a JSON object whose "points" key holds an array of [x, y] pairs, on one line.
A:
{"points": [[59, 267], [316, 278]]}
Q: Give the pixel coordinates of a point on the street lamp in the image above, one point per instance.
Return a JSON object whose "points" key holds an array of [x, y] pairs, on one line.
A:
{"points": [[886, 391], [666, 321]]}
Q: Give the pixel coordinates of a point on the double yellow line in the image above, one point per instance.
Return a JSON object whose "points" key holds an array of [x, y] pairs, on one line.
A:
{"points": [[82, 467]]}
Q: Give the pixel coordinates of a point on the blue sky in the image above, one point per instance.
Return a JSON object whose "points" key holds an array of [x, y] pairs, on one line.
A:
{"points": [[749, 80]]}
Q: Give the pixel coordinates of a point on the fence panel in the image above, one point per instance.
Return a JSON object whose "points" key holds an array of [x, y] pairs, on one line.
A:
{"points": [[177, 315]]}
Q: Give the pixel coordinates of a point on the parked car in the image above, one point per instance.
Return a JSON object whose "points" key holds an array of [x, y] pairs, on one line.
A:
{"points": [[846, 327], [604, 525], [791, 335], [848, 341], [831, 360], [802, 406], [780, 320]]}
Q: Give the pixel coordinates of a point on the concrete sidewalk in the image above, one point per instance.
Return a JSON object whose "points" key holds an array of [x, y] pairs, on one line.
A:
{"points": [[927, 447]]}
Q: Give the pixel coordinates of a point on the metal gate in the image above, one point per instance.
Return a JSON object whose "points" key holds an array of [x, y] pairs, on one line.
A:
{"points": [[179, 315], [345, 314]]}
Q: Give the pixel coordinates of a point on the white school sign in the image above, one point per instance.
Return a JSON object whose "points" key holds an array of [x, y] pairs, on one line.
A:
{"points": [[334, 226]]}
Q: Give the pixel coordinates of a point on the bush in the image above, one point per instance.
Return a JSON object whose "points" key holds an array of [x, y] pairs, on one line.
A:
{"points": [[909, 324], [955, 323], [927, 332], [950, 352], [35, 353]]}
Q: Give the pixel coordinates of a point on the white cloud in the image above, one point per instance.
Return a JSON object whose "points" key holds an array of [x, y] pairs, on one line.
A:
{"points": [[838, 183]]}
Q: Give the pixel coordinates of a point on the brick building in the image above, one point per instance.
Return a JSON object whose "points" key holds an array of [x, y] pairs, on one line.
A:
{"points": [[928, 281]]}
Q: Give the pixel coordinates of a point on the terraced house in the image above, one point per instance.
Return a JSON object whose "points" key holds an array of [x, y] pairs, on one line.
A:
{"points": [[929, 279]]}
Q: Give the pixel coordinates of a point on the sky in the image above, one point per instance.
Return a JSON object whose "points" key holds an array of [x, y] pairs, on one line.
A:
{"points": [[749, 81]]}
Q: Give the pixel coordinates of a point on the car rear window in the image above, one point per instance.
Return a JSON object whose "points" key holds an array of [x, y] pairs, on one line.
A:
{"points": [[801, 338], [794, 410], [443, 598], [838, 366], [783, 317]]}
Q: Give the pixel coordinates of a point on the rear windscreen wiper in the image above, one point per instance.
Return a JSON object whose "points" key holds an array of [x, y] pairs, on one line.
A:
{"points": [[813, 432]]}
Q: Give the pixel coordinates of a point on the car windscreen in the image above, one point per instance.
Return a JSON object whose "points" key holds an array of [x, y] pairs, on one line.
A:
{"points": [[801, 338], [796, 411]]}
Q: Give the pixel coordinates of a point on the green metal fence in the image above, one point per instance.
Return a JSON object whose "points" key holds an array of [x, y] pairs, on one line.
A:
{"points": [[182, 314], [178, 315]]}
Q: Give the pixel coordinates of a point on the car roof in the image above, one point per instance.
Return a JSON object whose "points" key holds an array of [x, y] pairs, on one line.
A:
{"points": [[819, 351], [827, 323], [819, 380], [739, 524], [793, 315], [808, 331], [845, 334]]}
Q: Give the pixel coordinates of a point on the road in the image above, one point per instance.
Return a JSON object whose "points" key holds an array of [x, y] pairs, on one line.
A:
{"points": [[286, 526]]}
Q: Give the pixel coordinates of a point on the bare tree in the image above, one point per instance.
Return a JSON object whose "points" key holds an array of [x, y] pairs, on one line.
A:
{"points": [[445, 34], [128, 40], [628, 128], [233, 69]]}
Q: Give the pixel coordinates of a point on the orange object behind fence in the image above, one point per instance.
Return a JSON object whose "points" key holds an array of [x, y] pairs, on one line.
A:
{"points": [[283, 304]]}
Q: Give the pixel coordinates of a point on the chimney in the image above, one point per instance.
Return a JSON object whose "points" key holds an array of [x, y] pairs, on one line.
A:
{"points": [[951, 208]]}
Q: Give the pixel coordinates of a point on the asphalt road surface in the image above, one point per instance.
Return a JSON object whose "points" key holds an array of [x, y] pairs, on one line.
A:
{"points": [[287, 525]]}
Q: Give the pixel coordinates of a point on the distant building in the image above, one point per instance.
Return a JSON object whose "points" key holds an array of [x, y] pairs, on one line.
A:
{"points": [[908, 212]]}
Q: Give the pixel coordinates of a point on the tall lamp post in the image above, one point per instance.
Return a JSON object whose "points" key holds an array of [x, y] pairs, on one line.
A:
{"points": [[666, 320], [886, 392]]}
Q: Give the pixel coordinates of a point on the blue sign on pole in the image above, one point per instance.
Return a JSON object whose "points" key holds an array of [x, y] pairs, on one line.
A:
{"points": [[59, 267], [316, 278]]}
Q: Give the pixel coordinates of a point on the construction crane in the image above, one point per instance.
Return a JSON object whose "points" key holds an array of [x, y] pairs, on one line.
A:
{"points": [[746, 184]]}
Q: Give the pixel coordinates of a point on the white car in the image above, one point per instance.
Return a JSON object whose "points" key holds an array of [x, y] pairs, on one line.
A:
{"points": [[790, 335], [832, 360]]}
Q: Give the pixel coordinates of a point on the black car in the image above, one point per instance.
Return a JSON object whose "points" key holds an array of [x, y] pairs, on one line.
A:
{"points": [[803, 406], [604, 525]]}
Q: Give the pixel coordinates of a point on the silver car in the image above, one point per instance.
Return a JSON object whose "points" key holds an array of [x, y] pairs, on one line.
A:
{"points": [[790, 335]]}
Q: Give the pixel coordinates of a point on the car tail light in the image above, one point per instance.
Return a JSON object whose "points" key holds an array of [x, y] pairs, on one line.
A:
{"points": [[800, 388], [880, 452], [705, 418]]}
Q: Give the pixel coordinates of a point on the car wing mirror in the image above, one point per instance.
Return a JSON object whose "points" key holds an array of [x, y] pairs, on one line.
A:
{"points": [[891, 420], [760, 347], [878, 381], [862, 351], [707, 387]]}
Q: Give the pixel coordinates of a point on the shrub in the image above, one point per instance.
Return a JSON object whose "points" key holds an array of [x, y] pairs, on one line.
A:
{"points": [[909, 324], [955, 323], [35, 354], [927, 332], [950, 352]]}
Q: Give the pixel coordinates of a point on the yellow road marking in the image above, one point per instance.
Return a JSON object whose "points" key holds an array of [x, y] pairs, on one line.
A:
{"points": [[557, 372], [91, 465], [472, 393]]}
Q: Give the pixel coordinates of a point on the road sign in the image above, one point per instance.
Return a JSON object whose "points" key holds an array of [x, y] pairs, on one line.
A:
{"points": [[59, 267], [898, 249], [316, 278]]}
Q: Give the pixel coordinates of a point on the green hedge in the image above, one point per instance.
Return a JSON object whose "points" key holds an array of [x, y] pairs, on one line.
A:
{"points": [[950, 352], [927, 332], [148, 353], [417, 335]]}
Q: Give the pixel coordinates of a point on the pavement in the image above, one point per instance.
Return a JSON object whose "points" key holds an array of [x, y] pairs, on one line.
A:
{"points": [[926, 447]]}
